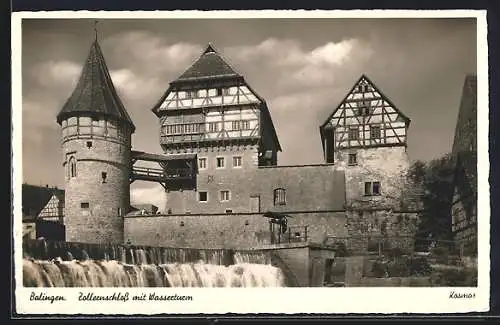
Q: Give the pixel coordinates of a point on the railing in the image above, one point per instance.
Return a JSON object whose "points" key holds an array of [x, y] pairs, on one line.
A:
{"points": [[157, 173]]}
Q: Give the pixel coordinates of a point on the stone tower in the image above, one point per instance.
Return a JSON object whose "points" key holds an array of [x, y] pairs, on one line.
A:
{"points": [[366, 135], [96, 145], [212, 112]]}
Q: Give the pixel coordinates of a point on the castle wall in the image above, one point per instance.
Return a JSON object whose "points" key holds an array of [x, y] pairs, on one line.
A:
{"points": [[93, 207], [387, 165], [308, 188], [226, 230], [368, 228]]}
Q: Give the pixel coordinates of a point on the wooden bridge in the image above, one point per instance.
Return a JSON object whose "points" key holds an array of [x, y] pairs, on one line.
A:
{"points": [[174, 172]]}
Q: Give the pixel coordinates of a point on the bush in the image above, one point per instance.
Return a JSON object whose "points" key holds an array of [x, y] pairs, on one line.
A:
{"points": [[454, 277], [379, 269], [420, 267], [399, 267]]}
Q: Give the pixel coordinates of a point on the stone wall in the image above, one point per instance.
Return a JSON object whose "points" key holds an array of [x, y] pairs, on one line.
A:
{"points": [[387, 165], [393, 229], [100, 222], [226, 230], [308, 188]]}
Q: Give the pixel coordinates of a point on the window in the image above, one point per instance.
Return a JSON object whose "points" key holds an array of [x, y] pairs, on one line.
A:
{"points": [[236, 125], [203, 196], [219, 91], [280, 196], [103, 176], [224, 195], [72, 167], [220, 162], [353, 134], [89, 144], [202, 163], [236, 161], [213, 126], [363, 88], [375, 132], [84, 205], [363, 108], [353, 159], [229, 210], [191, 94], [241, 125], [372, 188], [119, 212]]}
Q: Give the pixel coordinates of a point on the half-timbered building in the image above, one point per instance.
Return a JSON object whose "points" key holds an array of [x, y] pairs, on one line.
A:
{"points": [[464, 152], [220, 166], [367, 135]]}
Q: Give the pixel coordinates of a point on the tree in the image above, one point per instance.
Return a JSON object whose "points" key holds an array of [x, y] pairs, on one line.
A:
{"points": [[433, 183]]}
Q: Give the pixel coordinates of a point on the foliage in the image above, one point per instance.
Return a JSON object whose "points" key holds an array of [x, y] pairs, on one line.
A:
{"points": [[454, 277], [401, 266], [433, 183], [419, 266]]}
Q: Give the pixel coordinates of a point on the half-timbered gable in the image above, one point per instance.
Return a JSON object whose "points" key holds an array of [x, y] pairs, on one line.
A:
{"points": [[367, 135], [365, 118], [54, 209], [211, 105]]}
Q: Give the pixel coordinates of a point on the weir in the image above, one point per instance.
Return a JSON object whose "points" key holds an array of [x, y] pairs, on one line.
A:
{"points": [[69, 264]]}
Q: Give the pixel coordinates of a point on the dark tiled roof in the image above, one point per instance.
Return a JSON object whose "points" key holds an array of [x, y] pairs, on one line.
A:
{"points": [[464, 144], [95, 92], [209, 65], [35, 198]]}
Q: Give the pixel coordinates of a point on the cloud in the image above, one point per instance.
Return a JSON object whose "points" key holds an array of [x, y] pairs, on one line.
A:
{"points": [[149, 195], [300, 67], [135, 87], [55, 73], [149, 53]]}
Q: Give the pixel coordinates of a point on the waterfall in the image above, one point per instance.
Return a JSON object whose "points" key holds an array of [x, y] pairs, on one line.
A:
{"points": [[112, 273], [67, 264]]}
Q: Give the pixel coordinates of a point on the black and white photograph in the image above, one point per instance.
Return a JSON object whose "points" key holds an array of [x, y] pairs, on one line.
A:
{"points": [[250, 151]]}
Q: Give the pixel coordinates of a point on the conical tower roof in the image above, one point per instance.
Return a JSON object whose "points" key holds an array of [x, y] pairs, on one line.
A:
{"points": [[210, 65], [95, 93]]}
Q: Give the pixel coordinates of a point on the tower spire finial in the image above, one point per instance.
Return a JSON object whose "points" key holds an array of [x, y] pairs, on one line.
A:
{"points": [[95, 29]]}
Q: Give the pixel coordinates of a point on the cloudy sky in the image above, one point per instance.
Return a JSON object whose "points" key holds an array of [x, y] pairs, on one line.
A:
{"points": [[303, 68]]}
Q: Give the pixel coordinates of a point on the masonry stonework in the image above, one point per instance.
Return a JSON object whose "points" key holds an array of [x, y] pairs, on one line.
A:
{"points": [[95, 206], [241, 231], [386, 165]]}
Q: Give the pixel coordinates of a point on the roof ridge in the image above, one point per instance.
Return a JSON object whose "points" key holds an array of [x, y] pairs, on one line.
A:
{"points": [[206, 67], [95, 92]]}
